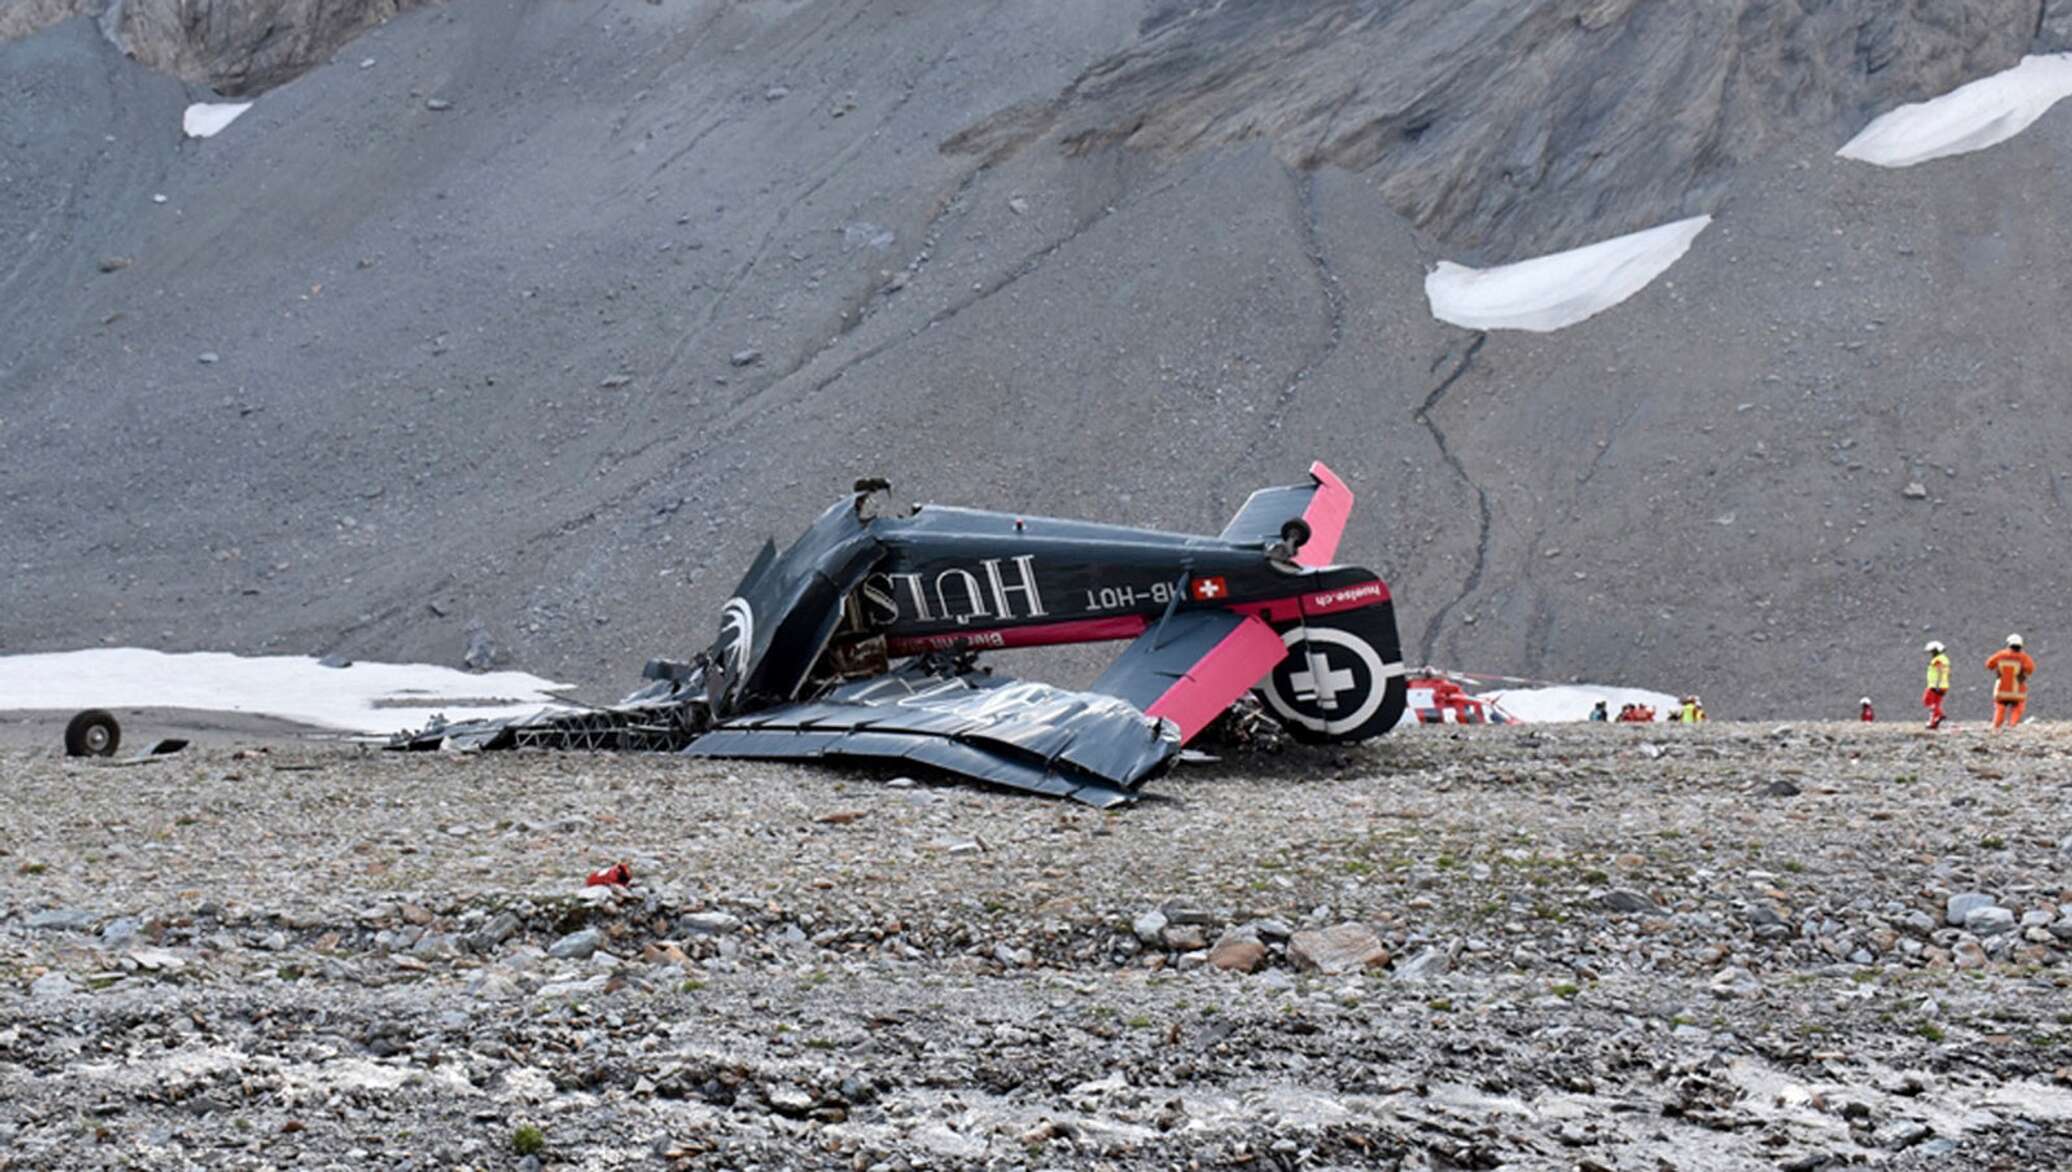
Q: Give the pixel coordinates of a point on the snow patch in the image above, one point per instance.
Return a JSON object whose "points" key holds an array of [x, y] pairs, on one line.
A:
{"points": [[1971, 117], [204, 119], [363, 698], [1549, 292], [1573, 702]]}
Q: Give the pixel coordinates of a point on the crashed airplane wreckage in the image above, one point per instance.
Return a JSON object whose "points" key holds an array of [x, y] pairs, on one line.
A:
{"points": [[803, 666]]}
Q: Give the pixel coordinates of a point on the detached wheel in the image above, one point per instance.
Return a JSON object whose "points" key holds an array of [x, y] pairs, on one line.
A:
{"points": [[92, 733]]}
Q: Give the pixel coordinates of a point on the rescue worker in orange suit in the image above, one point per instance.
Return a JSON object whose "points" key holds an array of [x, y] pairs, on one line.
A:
{"points": [[2011, 667], [1865, 712], [1938, 683]]}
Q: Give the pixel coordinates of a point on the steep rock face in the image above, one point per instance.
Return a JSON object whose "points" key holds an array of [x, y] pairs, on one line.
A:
{"points": [[2054, 29], [234, 46], [19, 18], [1507, 128]]}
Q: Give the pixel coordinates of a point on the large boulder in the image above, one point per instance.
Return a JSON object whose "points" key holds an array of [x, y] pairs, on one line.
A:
{"points": [[1341, 948], [2054, 31]]}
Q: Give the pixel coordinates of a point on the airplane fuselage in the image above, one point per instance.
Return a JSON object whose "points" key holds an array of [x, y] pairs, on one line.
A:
{"points": [[966, 578]]}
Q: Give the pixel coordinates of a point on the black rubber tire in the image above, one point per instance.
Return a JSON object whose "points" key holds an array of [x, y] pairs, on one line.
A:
{"points": [[92, 733], [1295, 532]]}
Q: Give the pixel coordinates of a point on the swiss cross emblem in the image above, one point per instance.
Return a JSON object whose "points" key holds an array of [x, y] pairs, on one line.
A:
{"points": [[1208, 590]]}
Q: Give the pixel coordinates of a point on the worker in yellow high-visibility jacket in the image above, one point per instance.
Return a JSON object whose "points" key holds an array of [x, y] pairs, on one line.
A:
{"points": [[1938, 683]]}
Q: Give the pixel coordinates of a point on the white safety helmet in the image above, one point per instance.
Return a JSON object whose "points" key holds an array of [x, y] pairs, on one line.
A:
{"points": [[1866, 700], [1934, 647], [2014, 640]]}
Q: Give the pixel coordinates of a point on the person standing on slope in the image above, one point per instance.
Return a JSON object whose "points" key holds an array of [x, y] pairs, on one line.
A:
{"points": [[2012, 668], [1938, 683], [1865, 712], [1693, 709]]}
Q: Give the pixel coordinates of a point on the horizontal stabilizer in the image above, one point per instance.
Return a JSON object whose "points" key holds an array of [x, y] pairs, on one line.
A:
{"points": [[1194, 665], [1323, 506]]}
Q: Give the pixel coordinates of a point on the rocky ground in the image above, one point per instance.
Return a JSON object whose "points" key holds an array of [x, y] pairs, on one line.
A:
{"points": [[1742, 946]]}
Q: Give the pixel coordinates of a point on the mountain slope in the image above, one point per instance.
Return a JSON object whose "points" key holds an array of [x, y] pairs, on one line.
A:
{"points": [[488, 366]]}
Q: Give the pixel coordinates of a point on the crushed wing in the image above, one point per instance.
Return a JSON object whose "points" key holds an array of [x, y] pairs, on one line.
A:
{"points": [[1088, 746]]}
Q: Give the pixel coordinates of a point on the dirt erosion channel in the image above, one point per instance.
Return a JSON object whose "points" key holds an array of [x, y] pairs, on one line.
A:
{"points": [[1729, 947]]}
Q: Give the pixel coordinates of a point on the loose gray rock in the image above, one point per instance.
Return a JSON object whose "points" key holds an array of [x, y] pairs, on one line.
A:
{"points": [[59, 920], [709, 923], [481, 650], [120, 933], [52, 985], [1273, 930], [1425, 965], [1962, 905], [432, 946], [502, 927], [747, 357], [1735, 981], [576, 945], [1183, 937], [1150, 928], [789, 1099], [1624, 900], [1988, 921], [561, 990]]}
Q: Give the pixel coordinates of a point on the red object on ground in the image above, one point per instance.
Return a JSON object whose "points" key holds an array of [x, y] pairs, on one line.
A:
{"points": [[616, 875]]}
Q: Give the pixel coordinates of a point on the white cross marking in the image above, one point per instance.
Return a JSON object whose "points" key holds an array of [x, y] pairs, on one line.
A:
{"points": [[1321, 682], [1209, 589]]}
